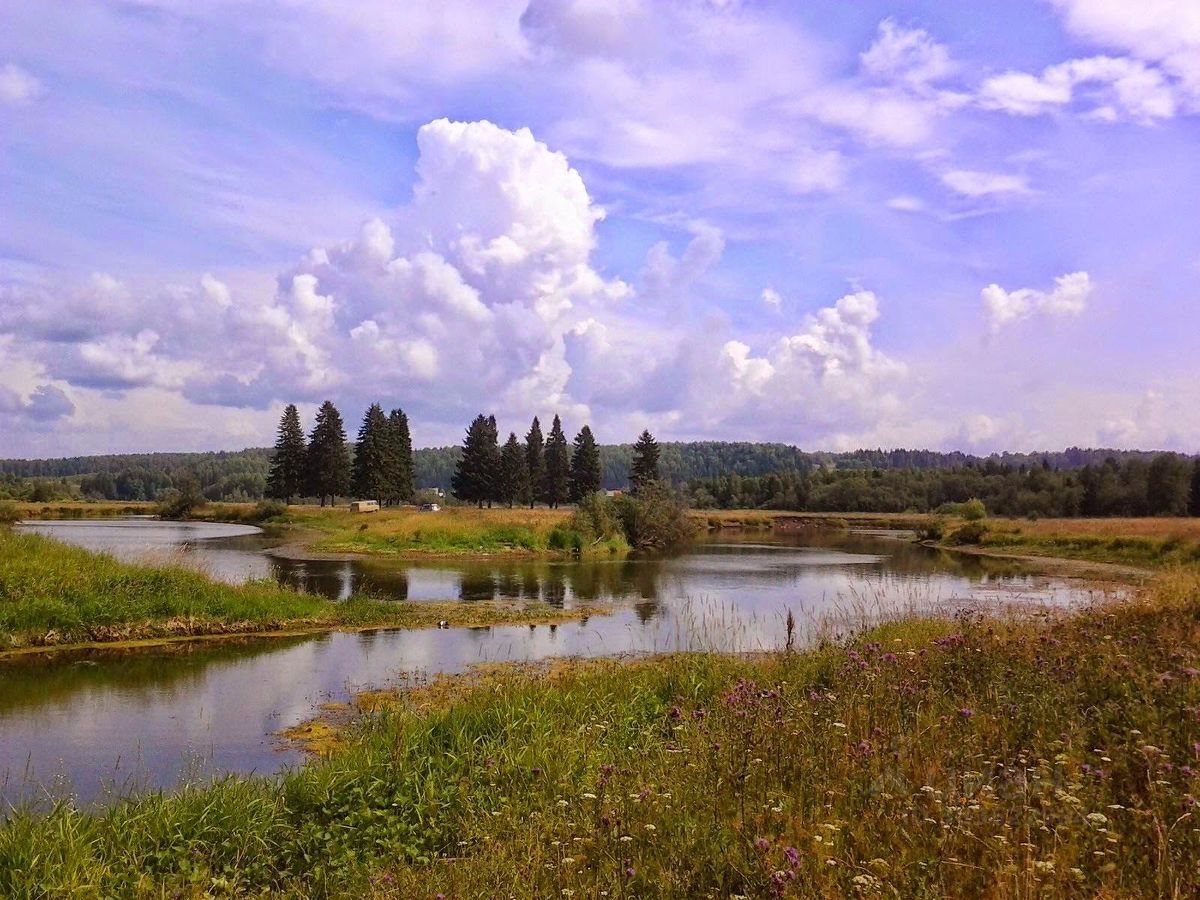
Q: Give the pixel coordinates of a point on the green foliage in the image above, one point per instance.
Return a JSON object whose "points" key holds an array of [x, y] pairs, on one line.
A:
{"points": [[645, 461], [400, 486], [477, 475], [972, 510], [328, 459], [374, 469], [514, 473], [585, 466], [286, 478], [535, 461], [655, 519], [557, 483], [181, 502], [9, 512], [971, 533]]}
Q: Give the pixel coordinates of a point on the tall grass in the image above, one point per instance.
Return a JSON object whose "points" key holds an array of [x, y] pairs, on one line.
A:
{"points": [[980, 757], [53, 594]]}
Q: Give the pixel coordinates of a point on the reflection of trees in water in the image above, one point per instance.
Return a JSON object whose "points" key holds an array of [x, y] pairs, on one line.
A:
{"points": [[552, 587], [476, 584]]}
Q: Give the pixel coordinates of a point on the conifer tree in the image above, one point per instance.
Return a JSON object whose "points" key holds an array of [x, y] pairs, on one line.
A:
{"points": [[514, 472], [585, 465], [286, 479], [557, 482], [400, 483], [645, 462], [535, 461], [327, 459], [373, 459], [476, 473]]}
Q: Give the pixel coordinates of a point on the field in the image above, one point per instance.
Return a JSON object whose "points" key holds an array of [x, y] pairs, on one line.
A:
{"points": [[53, 595], [1141, 542], [927, 758]]}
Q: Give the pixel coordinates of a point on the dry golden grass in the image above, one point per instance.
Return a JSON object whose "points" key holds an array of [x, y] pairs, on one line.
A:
{"points": [[1154, 528]]}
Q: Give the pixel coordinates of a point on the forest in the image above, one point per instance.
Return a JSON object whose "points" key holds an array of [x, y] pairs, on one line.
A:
{"points": [[715, 474]]}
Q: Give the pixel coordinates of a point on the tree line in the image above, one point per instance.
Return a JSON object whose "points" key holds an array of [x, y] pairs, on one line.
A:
{"points": [[1165, 484], [322, 466], [539, 469]]}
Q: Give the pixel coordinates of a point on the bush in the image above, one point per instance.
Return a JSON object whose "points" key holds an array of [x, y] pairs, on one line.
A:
{"points": [[595, 519], [656, 519], [972, 510], [9, 513], [267, 509], [971, 533], [565, 539], [934, 531]]}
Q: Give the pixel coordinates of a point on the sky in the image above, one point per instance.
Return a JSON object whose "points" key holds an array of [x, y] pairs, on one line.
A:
{"points": [[966, 226]]}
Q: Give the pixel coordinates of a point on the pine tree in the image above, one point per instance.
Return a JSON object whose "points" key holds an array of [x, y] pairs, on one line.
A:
{"points": [[556, 483], [476, 474], [327, 459], [514, 472], [400, 484], [645, 462], [535, 461], [585, 466], [286, 479], [373, 460]]}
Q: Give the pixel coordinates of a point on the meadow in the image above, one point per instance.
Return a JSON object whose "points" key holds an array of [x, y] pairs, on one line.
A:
{"points": [[52, 595], [1148, 542], [960, 756]]}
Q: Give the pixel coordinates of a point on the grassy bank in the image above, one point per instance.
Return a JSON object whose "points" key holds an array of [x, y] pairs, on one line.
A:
{"points": [[930, 758], [54, 595], [1156, 542]]}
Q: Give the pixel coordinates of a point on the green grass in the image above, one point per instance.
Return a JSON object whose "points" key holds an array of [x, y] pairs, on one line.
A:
{"points": [[1127, 549], [929, 758], [52, 594]]}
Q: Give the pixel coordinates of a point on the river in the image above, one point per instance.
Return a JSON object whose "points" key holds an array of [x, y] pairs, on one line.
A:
{"points": [[95, 725]]}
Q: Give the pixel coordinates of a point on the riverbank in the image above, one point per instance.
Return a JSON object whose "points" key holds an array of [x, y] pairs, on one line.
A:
{"points": [[53, 596], [930, 757]]}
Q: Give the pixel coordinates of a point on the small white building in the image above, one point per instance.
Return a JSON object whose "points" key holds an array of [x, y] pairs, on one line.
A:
{"points": [[364, 506]]}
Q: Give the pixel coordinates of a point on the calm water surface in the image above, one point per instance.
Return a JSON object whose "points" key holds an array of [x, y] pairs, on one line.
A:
{"points": [[100, 723]]}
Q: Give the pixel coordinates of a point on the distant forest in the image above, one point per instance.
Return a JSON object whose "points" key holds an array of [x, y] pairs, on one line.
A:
{"points": [[715, 475]]}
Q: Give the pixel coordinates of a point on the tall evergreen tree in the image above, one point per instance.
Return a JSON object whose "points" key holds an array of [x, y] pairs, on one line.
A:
{"points": [[400, 484], [585, 465], [535, 461], [373, 457], [327, 459], [645, 462], [1168, 485], [514, 472], [286, 479], [557, 482], [475, 476]]}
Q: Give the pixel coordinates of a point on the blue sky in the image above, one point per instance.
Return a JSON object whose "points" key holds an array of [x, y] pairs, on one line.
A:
{"points": [[927, 224]]}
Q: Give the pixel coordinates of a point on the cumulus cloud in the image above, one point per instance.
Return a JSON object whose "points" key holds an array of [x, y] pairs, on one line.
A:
{"points": [[17, 86], [1164, 33], [1121, 88], [906, 54], [771, 298], [1069, 297], [666, 275]]}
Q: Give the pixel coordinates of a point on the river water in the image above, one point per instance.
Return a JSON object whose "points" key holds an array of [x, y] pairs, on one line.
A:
{"points": [[98, 724]]}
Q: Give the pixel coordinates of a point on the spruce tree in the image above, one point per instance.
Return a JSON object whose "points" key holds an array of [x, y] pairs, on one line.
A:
{"points": [[476, 474], [556, 483], [327, 459], [286, 479], [514, 472], [400, 483], [585, 466], [645, 462], [373, 459], [535, 461]]}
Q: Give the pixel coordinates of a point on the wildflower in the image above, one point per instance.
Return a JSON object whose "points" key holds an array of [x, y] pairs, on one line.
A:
{"points": [[793, 856], [763, 844], [630, 871], [650, 827], [966, 713], [589, 796], [1097, 819]]}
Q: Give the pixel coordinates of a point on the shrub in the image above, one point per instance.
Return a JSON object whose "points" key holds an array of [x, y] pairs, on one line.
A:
{"points": [[656, 519], [595, 519], [934, 531], [565, 539], [9, 512], [971, 533], [267, 509]]}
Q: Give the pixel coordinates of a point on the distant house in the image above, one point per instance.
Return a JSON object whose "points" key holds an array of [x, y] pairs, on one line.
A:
{"points": [[613, 493], [364, 506]]}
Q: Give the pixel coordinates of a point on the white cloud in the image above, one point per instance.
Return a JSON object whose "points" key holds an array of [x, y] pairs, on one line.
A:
{"points": [[971, 183], [771, 298], [1068, 298], [906, 203], [1124, 88], [17, 86], [664, 275], [1165, 33], [908, 55]]}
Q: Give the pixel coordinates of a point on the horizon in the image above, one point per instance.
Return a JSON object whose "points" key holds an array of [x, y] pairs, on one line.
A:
{"points": [[877, 226]]}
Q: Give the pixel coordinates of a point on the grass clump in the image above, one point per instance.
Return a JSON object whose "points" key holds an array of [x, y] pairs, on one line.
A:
{"points": [[52, 595], [929, 758]]}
